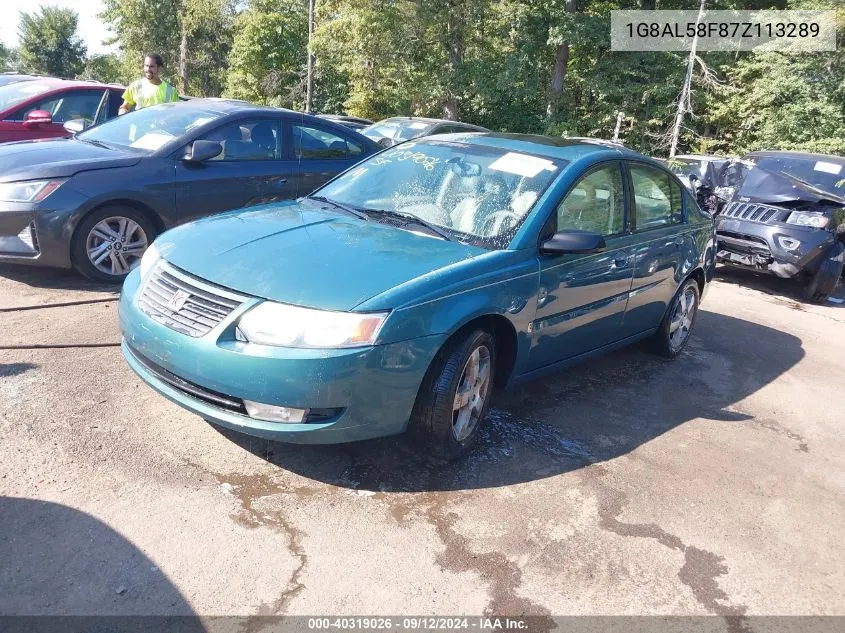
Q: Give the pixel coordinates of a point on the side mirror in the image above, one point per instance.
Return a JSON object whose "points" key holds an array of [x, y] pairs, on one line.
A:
{"points": [[573, 243], [75, 126], [693, 182], [202, 151], [385, 142], [37, 118]]}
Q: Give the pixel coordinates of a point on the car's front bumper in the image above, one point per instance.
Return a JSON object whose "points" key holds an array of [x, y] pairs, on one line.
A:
{"points": [[373, 389], [756, 246], [39, 233]]}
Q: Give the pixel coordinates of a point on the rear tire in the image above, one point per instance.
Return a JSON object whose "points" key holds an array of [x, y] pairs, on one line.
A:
{"points": [[110, 241], [455, 395], [676, 328], [823, 282]]}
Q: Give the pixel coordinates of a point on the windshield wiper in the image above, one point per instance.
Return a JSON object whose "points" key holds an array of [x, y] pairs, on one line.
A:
{"points": [[413, 219], [93, 142], [341, 206]]}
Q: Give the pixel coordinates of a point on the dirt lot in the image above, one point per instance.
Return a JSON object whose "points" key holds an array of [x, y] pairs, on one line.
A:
{"points": [[711, 485]]}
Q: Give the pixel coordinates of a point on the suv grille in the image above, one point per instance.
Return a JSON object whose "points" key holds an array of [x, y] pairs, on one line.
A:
{"points": [[749, 211], [185, 303]]}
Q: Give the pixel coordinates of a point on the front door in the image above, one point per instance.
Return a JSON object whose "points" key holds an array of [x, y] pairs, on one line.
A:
{"points": [[63, 107], [252, 169], [582, 298]]}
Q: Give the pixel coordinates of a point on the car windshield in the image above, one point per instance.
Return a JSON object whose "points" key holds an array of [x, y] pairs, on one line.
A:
{"points": [[683, 167], [148, 129], [826, 173], [475, 193], [396, 129], [18, 92]]}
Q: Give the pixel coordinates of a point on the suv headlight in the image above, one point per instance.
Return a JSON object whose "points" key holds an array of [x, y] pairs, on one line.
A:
{"points": [[283, 325], [815, 220], [28, 190]]}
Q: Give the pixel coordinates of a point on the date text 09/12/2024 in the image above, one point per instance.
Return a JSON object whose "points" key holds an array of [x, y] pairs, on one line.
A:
{"points": [[410, 623], [750, 30]]}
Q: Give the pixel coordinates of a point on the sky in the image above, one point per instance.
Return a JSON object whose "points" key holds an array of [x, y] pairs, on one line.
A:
{"points": [[91, 30]]}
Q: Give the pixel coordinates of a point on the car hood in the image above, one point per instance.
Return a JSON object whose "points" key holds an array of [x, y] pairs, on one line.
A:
{"points": [[762, 185], [300, 254], [57, 158]]}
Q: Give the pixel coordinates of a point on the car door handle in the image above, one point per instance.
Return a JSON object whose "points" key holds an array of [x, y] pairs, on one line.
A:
{"points": [[620, 262]]}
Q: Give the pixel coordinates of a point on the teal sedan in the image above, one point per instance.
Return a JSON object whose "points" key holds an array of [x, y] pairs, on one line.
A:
{"points": [[399, 295]]}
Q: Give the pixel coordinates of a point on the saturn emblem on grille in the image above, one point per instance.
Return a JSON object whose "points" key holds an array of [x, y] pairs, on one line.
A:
{"points": [[178, 300]]}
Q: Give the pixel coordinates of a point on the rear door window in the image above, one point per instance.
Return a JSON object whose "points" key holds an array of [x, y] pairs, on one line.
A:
{"points": [[657, 197], [315, 143]]}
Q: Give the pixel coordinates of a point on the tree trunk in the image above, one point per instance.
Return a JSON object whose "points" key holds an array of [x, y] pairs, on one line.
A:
{"points": [[309, 78], [455, 44], [183, 61], [558, 77], [559, 72], [684, 99]]}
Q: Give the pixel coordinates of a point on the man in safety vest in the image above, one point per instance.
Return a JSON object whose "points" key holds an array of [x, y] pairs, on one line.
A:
{"points": [[151, 89]]}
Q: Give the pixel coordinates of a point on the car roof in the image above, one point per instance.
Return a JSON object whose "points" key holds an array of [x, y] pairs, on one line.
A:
{"points": [[423, 119], [700, 157], [546, 146], [798, 155], [57, 84]]}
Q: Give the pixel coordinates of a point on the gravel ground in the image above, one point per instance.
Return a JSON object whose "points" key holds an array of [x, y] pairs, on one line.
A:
{"points": [[714, 484]]}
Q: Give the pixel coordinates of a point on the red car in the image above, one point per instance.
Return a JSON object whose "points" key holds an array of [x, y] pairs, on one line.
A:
{"points": [[40, 108]]}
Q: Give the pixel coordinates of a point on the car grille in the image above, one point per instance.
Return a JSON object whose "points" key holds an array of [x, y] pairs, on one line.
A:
{"points": [[185, 303], [753, 212], [215, 398]]}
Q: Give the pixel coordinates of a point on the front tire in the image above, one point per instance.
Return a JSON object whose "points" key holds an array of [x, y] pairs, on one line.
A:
{"points": [[455, 395], [109, 242], [823, 282], [674, 332]]}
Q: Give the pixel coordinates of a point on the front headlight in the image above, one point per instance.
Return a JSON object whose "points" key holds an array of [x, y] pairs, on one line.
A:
{"points": [[814, 220], [283, 325], [29, 190], [149, 260]]}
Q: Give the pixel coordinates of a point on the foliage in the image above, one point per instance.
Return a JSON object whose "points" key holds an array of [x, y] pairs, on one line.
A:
{"points": [[8, 58], [159, 26], [106, 68], [269, 53], [49, 43], [510, 65]]}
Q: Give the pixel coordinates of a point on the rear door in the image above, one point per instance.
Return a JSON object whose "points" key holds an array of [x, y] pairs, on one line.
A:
{"points": [[321, 154], [663, 240], [254, 168], [582, 298]]}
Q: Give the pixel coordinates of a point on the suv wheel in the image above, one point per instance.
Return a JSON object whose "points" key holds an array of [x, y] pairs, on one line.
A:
{"points": [[109, 243], [823, 282]]}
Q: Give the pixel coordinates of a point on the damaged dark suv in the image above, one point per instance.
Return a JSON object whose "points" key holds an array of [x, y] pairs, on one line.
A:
{"points": [[788, 219]]}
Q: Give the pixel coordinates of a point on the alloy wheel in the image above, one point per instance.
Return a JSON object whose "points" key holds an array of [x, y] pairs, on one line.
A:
{"points": [[114, 245], [473, 388], [682, 318]]}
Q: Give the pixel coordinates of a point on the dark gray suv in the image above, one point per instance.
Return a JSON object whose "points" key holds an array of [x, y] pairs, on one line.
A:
{"points": [[788, 218]]}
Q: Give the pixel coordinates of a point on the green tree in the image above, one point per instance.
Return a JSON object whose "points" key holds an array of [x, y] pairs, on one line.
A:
{"points": [[107, 68], [49, 43], [269, 53], [6, 58], [782, 101], [193, 36]]}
